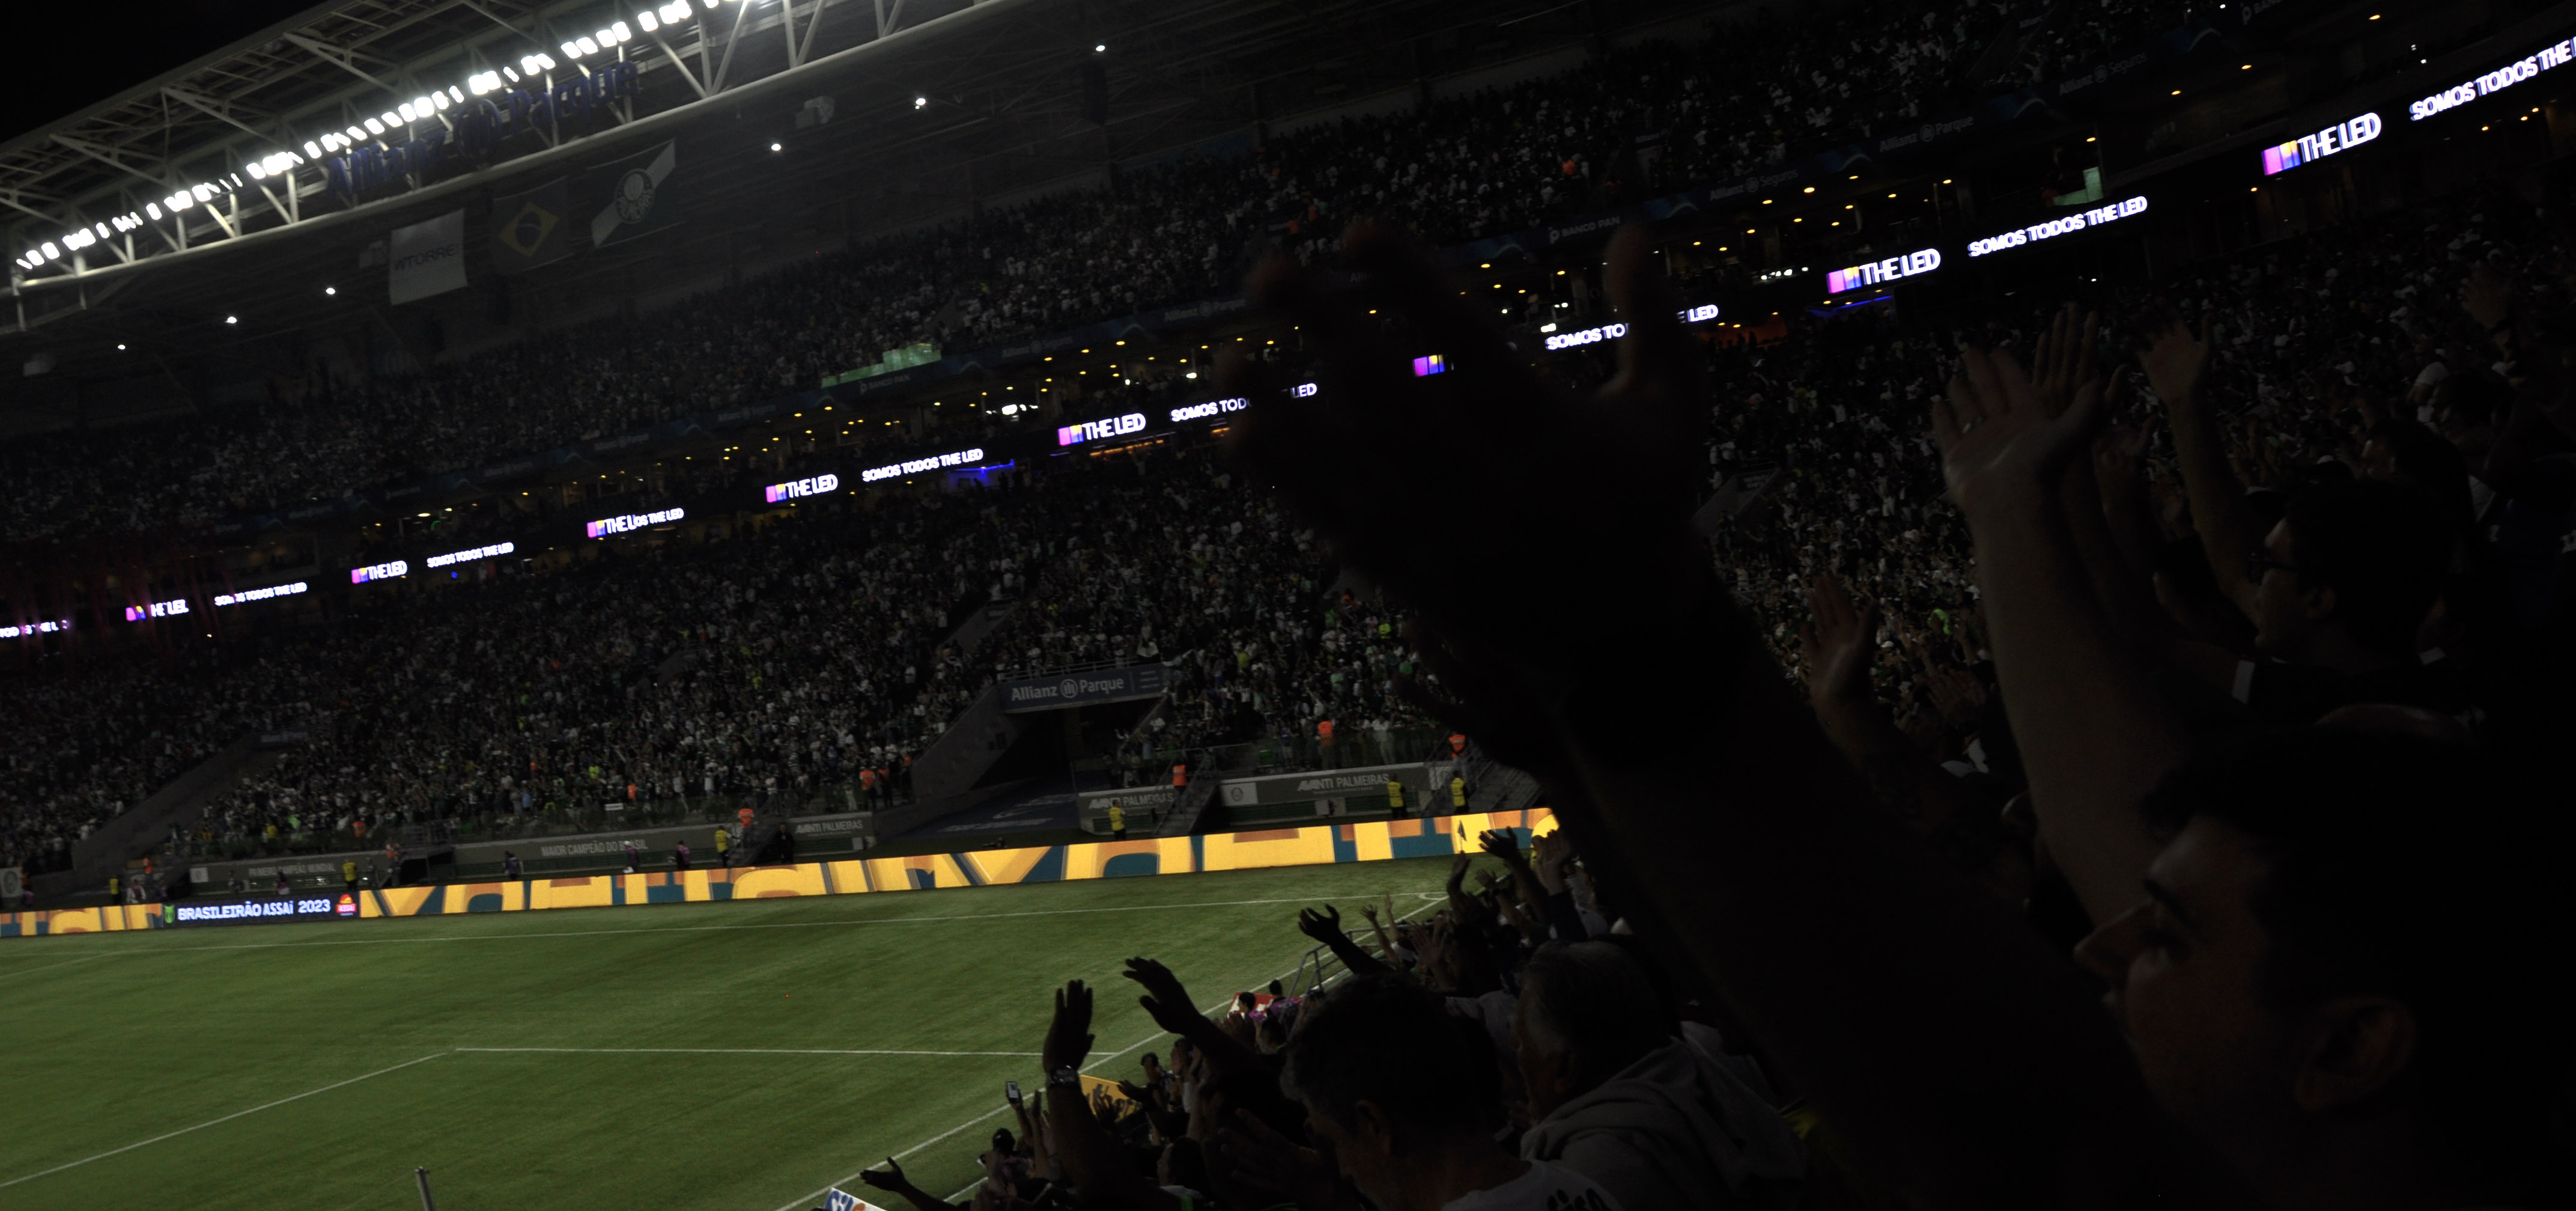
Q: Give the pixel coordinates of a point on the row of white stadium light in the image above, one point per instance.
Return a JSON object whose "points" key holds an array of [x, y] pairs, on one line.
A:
{"points": [[395, 122]]}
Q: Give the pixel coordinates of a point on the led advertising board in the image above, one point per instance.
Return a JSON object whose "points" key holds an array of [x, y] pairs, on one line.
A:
{"points": [[1214, 407], [795, 489], [379, 571], [960, 458], [280, 590], [629, 522], [469, 556], [1912, 264], [2053, 228], [1098, 430], [2556, 54], [336, 906], [2341, 136]]}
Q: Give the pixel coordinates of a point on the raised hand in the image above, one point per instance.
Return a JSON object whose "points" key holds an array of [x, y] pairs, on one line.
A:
{"points": [[891, 1180], [1841, 641], [1165, 1000], [2174, 359], [2065, 359], [2487, 295], [1998, 445], [1068, 1037], [1325, 926], [1597, 491], [1504, 844]]}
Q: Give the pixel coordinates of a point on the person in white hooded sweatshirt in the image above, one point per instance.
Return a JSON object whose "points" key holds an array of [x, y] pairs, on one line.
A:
{"points": [[1618, 1096]]}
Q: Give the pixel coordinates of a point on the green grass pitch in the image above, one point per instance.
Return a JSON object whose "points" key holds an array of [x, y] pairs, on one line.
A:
{"points": [[198, 1066]]}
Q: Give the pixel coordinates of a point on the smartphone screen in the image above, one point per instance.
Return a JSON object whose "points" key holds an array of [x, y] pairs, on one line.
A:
{"points": [[1011, 1092]]}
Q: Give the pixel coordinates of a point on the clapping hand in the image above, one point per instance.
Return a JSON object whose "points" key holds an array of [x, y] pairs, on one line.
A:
{"points": [[2065, 360], [2487, 295], [2174, 359], [1999, 447], [1840, 641]]}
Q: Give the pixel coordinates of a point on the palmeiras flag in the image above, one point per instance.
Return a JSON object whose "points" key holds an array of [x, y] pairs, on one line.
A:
{"points": [[631, 196]]}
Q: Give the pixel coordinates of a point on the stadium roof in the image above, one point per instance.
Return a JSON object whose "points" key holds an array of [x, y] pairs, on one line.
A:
{"points": [[983, 98]]}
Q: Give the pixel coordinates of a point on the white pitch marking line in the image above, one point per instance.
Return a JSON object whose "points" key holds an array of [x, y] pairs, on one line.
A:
{"points": [[732, 1051], [1437, 897], [593, 933], [225, 1119], [48, 967]]}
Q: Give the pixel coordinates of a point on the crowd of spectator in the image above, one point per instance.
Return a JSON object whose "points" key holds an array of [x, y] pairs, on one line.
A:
{"points": [[803, 664], [1637, 120], [2268, 578], [1168, 555], [78, 751]]}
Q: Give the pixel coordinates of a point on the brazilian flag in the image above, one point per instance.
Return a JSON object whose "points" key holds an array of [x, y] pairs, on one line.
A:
{"points": [[528, 228]]}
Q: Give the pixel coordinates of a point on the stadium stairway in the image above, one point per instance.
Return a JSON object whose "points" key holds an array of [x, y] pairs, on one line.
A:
{"points": [[1495, 787], [139, 829], [980, 622]]}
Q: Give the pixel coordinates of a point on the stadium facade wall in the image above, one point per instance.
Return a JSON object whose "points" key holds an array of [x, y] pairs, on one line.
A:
{"points": [[1316, 845]]}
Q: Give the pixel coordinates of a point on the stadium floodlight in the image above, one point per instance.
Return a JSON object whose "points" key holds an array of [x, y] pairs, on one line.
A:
{"points": [[375, 127], [313, 149], [648, 21], [453, 94], [921, 102], [152, 211], [513, 77], [256, 172], [423, 107], [330, 290], [356, 135], [606, 38], [405, 109], [624, 34], [232, 319], [545, 60], [440, 100], [589, 47], [390, 120], [777, 147], [1101, 49], [572, 50], [52, 252]]}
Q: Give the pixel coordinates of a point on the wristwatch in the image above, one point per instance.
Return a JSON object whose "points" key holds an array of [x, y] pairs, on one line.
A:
{"points": [[1066, 1077]]}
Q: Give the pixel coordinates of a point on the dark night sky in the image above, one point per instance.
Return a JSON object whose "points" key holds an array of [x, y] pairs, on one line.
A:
{"points": [[84, 53]]}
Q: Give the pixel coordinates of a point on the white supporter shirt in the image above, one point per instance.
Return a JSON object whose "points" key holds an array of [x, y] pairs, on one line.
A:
{"points": [[1546, 1187]]}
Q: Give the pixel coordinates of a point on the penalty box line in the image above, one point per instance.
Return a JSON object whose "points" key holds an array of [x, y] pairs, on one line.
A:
{"points": [[521, 1050], [225, 1119]]}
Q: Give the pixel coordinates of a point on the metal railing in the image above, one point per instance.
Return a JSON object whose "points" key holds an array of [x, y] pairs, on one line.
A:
{"points": [[553, 819]]}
